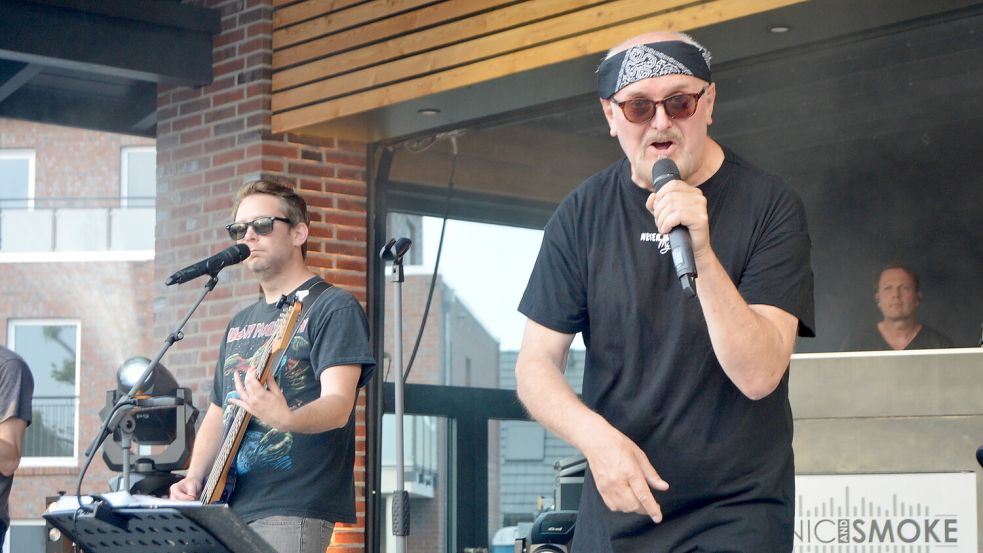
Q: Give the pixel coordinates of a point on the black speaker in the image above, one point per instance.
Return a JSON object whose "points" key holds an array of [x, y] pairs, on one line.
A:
{"points": [[552, 532]]}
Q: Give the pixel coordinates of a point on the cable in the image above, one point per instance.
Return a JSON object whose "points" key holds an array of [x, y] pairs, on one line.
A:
{"points": [[440, 248]]}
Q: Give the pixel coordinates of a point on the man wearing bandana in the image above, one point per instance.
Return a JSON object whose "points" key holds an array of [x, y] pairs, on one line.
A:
{"points": [[685, 420]]}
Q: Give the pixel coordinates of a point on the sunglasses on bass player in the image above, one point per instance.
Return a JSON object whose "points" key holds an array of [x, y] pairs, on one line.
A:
{"points": [[262, 226], [677, 106]]}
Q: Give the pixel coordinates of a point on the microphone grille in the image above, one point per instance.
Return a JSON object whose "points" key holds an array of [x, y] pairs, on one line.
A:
{"points": [[663, 171]]}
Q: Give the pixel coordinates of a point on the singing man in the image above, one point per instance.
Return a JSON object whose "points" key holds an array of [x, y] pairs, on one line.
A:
{"points": [[685, 420]]}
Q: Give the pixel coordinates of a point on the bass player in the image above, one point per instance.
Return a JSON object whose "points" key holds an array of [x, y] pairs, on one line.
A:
{"points": [[291, 477]]}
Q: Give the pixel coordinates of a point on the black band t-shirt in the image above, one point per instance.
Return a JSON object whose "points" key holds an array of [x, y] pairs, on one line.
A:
{"points": [[605, 271], [293, 473]]}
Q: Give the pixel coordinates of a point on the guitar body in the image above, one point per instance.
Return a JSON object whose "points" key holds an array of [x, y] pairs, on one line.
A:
{"points": [[220, 483]]}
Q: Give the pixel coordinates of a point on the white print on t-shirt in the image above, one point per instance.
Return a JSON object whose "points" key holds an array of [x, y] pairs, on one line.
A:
{"points": [[662, 239]]}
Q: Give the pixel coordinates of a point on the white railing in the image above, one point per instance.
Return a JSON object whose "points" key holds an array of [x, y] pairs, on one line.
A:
{"points": [[79, 224]]}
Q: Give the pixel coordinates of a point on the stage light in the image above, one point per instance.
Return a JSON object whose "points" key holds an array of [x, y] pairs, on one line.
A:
{"points": [[162, 415]]}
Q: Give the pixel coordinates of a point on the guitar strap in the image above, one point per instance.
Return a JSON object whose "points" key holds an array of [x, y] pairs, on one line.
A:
{"points": [[309, 300]]}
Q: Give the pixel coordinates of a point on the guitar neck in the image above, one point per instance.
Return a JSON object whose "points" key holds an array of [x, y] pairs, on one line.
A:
{"points": [[217, 477]]}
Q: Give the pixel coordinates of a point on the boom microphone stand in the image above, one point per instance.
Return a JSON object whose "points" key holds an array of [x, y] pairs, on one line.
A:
{"points": [[121, 411], [394, 251]]}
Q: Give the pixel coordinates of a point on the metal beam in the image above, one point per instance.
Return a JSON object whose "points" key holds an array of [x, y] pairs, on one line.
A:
{"points": [[21, 75], [138, 39], [64, 108]]}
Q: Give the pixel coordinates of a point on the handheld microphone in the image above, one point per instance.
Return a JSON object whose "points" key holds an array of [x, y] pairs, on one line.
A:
{"points": [[663, 171], [211, 266]]}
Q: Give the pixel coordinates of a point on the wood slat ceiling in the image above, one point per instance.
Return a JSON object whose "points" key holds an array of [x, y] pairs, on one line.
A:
{"points": [[338, 59]]}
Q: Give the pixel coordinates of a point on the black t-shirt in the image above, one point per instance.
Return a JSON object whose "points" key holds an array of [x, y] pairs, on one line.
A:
{"points": [[650, 369], [871, 340], [292, 473], [16, 392]]}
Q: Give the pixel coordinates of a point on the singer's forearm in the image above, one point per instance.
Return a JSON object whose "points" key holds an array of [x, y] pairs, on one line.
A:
{"points": [[752, 342], [544, 391]]}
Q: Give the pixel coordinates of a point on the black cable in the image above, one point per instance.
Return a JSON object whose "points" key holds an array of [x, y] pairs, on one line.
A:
{"points": [[436, 264]]}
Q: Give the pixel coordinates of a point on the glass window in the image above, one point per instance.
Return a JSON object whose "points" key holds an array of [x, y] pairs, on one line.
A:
{"points": [[426, 469], [493, 472], [138, 174], [16, 179], [51, 349]]}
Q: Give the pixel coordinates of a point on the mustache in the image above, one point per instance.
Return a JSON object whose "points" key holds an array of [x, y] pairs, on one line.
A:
{"points": [[664, 136]]}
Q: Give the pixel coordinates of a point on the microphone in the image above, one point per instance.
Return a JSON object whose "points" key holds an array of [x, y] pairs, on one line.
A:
{"points": [[663, 171], [211, 266], [394, 250]]}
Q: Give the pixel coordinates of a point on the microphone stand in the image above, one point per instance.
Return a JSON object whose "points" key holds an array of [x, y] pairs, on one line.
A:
{"points": [[121, 410], [394, 251]]}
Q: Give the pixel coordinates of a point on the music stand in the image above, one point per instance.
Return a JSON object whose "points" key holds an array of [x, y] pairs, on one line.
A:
{"points": [[156, 529]]}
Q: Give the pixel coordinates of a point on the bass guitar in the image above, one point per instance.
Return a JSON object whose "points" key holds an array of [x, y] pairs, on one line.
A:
{"points": [[221, 480]]}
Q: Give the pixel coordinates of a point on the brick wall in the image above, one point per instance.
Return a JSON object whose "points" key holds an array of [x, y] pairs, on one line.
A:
{"points": [[212, 139]]}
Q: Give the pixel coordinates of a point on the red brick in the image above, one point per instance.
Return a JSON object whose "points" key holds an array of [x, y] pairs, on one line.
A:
{"points": [[264, 28], [228, 97], [217, 144], [279, 150], [345, 219], [195, 135], [219, 85], [188, 152], [228, 157], [229, 37], [195, 106], [314, 170], [254, 45], [228, 67], [188, 122], [248, 167], [214, 115], [185, 93], [271, 165], [351, 174], [256, 104]]}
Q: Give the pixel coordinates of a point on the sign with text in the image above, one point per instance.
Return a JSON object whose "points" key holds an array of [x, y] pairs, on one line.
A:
{"points": [[924, 512]]}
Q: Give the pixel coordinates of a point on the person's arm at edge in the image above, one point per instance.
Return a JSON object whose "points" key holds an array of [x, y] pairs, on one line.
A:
{"points": [[208, 441], [623, 473], [11, 444]]}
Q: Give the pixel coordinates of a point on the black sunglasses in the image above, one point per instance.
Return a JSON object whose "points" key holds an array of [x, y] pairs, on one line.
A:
{"points": [[677, 106], [262, 225]]}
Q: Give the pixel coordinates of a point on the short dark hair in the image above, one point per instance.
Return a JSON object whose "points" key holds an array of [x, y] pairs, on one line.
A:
{"points": [[898, 265], [294, 207]]}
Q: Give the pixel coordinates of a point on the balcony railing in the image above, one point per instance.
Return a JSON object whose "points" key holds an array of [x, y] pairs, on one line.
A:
{"points": [[52, 429], [77, 224]]}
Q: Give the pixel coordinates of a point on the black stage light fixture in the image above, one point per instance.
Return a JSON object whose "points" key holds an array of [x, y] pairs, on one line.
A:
{"points": [[163, 415]]}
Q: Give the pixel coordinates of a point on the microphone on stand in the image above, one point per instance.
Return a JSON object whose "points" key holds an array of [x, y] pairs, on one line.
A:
{"points": [[663, 171], [211, 266]]}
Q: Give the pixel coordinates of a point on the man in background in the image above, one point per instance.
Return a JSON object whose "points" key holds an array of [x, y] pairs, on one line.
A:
{"points": [[898, 294], [16, 390]]}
